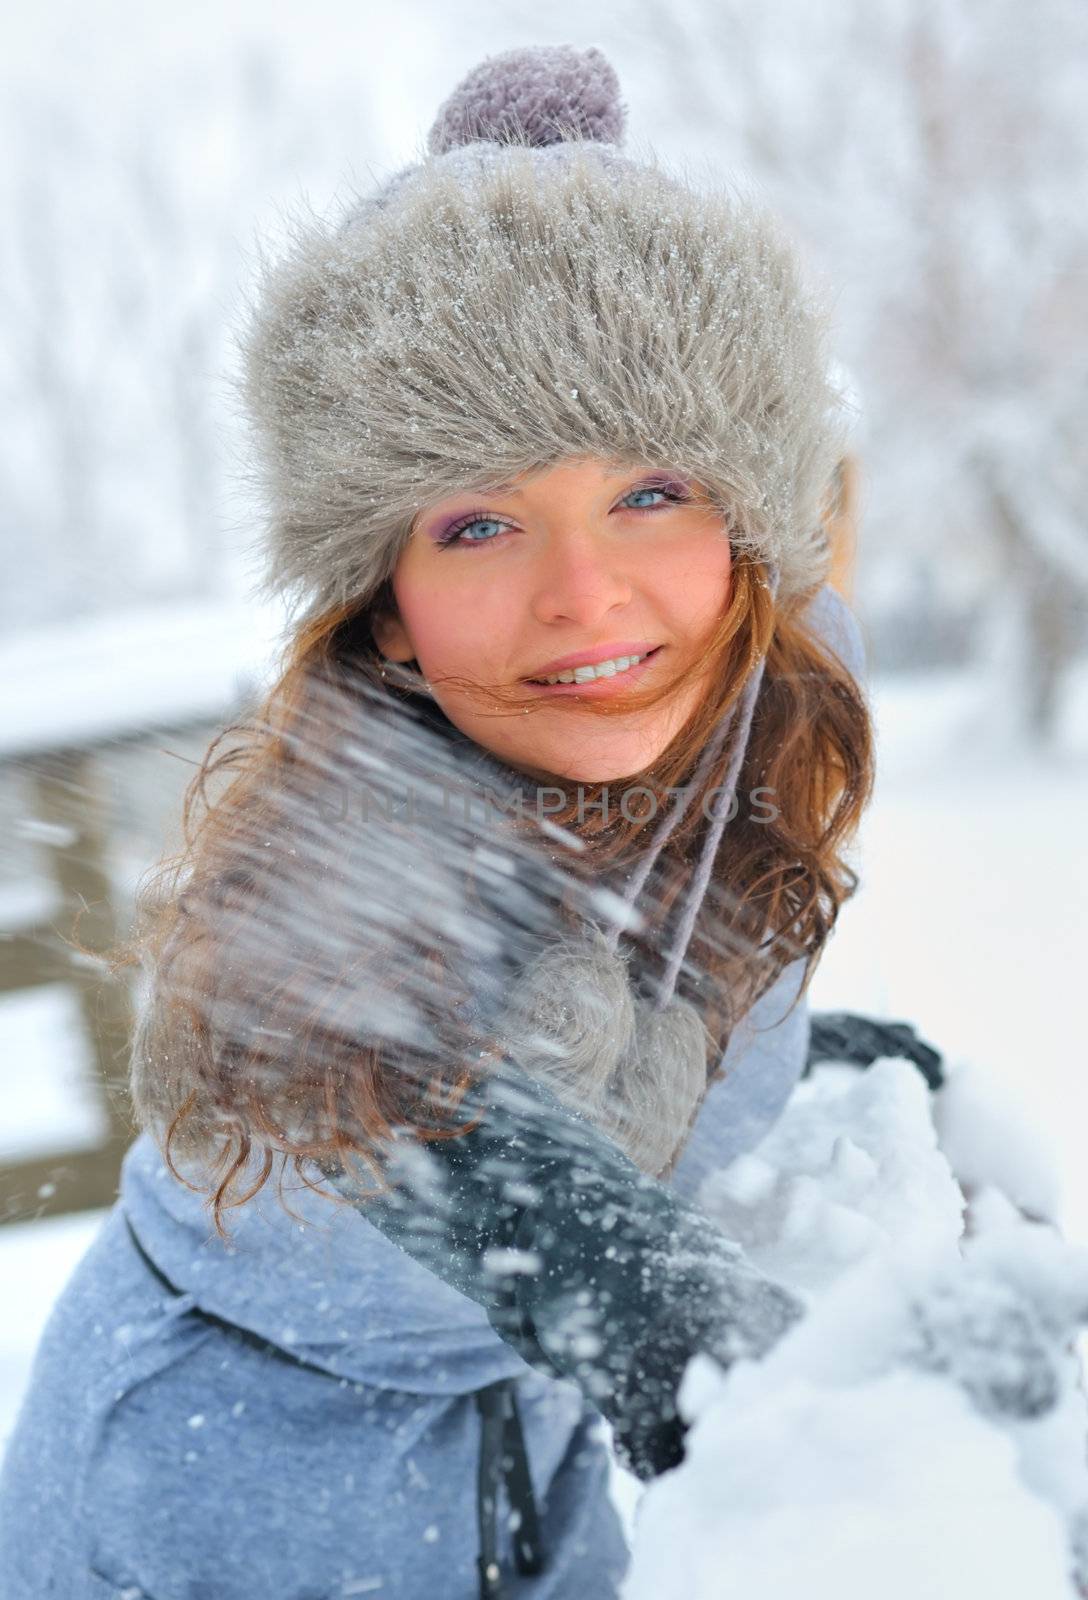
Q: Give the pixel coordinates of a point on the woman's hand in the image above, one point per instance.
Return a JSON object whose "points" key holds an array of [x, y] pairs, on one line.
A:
{"points": [[586, 1266]]}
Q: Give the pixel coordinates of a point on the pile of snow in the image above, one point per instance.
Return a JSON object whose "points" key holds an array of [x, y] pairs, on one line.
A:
{"points": [[923, 1431]]}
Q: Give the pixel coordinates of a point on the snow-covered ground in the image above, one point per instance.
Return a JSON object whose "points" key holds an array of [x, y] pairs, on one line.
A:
{"points": [[972, 916], [922, 1431], [970, 924]]}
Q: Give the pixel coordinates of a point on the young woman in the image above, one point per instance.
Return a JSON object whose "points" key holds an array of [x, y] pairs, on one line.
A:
{"points": [[494, 937]]}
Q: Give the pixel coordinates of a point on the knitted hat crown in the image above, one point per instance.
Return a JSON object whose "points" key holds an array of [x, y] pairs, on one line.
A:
{"points": [[524, 294]]}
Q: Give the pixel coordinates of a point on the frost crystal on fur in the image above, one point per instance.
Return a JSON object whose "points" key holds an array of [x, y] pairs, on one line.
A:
{"points": [[500, 308]]}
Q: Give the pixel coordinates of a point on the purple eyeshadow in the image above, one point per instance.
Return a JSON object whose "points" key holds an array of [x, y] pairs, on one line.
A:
{"points": [[652, 480]]}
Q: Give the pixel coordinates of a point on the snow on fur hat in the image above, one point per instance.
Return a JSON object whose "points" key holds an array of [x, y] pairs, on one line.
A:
{"points": [[524, 294]]}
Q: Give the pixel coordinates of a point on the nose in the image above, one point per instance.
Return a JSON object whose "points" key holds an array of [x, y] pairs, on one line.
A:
{"points": [[581, 579]]}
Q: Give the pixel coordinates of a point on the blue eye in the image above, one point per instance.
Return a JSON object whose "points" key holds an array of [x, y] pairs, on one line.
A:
{"points": [[456, 533], [674, 494], [649, 488]]}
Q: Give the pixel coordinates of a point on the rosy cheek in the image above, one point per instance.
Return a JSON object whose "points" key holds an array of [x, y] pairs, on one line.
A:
{"points": [[445, 633], [428, 638], [472, 615], [698, 582]]}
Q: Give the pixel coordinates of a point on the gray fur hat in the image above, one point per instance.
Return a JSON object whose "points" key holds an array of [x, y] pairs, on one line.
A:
{"points": [[526, 293]]}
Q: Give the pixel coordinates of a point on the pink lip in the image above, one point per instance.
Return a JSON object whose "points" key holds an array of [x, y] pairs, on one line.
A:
{"points": [[590, 658], [600, 686]]}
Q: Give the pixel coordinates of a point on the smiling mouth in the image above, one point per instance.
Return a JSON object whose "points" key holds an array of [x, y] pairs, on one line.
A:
{"points": [[591, 677]]}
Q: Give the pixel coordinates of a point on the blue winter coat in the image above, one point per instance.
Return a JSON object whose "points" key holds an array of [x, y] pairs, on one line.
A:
{"points": [[295, 1414]]}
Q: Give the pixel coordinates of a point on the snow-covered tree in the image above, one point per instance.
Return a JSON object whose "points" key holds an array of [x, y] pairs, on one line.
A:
{"points": [[129, 232]]}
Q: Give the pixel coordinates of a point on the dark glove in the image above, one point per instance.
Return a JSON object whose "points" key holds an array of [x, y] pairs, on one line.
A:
{"points": [[846, 1036], [589, 1268]]}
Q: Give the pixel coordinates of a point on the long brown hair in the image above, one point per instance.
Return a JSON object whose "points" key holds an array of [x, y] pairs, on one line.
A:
{"points": [[779, 882]]}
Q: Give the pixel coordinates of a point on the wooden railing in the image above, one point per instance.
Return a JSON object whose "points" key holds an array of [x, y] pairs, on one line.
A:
{"points": [[71, 810], [89, 705]]}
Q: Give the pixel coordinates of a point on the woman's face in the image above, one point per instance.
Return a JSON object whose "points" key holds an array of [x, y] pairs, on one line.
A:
{"points": [[577, 564]]}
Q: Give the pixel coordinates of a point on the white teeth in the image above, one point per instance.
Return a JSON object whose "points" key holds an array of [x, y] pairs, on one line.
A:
{"points": [[603, 669]]}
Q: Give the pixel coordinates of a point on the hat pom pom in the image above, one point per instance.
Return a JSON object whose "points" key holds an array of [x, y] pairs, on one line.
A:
{"points": [[542, 95]]}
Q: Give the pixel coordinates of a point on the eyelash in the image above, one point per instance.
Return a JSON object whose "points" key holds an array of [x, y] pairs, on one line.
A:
{"points": [[453, 533]]}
